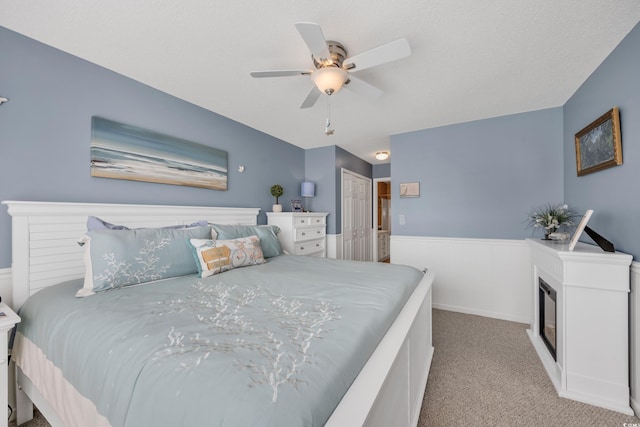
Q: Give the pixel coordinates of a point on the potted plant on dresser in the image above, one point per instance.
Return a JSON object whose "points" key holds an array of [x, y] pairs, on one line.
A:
{"points": [[277, 191]]}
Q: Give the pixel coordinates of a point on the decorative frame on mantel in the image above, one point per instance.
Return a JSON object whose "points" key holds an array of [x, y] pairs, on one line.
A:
{"points": [[599, 145]]}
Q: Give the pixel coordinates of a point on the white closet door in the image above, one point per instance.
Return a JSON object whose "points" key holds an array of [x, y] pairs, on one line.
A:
{"points": [[349, 232], [356, 216]]}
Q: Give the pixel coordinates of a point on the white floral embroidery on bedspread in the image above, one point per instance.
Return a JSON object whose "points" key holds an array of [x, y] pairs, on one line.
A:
{"points": [[119, 273], [234, 319]]}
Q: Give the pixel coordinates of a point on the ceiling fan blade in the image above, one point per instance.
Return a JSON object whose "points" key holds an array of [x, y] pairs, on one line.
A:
{"points": [[311, 98], [378, 55], [314, 38], [362, 88], [280, 73]]}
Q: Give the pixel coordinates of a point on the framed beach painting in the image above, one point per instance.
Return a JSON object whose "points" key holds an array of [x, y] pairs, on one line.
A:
{"points": [[122, 151], [599, 145]]}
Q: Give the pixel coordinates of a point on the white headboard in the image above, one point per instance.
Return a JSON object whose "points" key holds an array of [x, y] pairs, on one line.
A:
{"points": [[45, 235]]}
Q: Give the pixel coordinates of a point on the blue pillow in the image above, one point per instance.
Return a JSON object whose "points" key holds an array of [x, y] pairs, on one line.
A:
{"points": [[118, 258], [95, 223], [267, 233]]}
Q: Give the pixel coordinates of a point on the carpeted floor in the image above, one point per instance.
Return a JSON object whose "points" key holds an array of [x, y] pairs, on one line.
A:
{"points": [[485, 372]]}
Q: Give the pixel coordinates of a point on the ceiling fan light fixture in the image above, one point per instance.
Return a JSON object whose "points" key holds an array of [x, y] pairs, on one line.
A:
{"points": [[382, 155], [329, 80]]}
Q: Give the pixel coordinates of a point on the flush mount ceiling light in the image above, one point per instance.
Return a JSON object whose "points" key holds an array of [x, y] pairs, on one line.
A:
{"points": [[382, 155]]}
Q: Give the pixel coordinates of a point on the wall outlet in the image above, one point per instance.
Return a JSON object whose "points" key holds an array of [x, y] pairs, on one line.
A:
{"points": [[401, 219]]}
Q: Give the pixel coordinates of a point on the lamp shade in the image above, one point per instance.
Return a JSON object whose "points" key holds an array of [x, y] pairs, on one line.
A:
{"points": [[330, 79], [308, 189]]}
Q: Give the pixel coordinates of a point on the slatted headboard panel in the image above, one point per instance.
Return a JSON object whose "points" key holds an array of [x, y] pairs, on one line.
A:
{"points": [[45, 235]]}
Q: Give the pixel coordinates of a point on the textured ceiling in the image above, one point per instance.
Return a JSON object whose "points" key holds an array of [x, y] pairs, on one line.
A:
{"points": [[470, 59]]}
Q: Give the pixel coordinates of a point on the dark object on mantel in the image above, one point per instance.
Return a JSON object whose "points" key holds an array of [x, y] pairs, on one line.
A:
{"points": [[606, 245]]}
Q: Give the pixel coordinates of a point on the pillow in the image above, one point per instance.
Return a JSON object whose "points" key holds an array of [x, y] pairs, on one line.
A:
{"points": [[218, 256], [95, 223], [267, 233], [118, 258]]}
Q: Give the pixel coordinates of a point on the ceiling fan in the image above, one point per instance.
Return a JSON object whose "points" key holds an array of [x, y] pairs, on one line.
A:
{"points": [[333, 69]]}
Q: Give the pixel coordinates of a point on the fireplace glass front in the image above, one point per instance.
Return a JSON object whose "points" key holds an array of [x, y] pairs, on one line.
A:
{"points": [[547, 315]]}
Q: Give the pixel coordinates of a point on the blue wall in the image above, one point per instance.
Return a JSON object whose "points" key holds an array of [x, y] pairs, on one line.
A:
{"points": [[478, 179], [324, 167], [381, 170], [611, 193], [319, 168], [45, 134]]}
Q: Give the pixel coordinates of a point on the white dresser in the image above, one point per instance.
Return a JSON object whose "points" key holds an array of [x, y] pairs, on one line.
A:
{"points": [[301, 233]]}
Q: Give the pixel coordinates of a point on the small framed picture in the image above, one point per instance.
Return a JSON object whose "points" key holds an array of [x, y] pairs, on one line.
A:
{"points": [[580, 229], [296, 206], [410, 189]]}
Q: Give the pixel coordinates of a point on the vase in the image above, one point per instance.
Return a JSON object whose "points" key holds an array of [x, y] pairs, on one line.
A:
{"points": [[547, 232], [277, 208]]}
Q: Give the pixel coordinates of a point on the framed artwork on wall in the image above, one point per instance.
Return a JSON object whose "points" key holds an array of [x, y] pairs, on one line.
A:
{"points": [[122, 151], [599, 145], [410, 189]]}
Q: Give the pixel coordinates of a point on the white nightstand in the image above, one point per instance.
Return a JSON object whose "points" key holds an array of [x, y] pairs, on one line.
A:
{"points": [[7, 322], [301, 233]]}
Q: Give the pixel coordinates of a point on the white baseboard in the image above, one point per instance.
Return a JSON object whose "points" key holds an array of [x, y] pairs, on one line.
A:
{"points": [[487, 277], [634, 333], [6, 289], [483, 313]]}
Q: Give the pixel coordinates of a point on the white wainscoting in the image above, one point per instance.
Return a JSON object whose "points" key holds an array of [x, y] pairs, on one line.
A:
{"points": [[334, 246], [634, 333], [6, 290], [487, 277]]}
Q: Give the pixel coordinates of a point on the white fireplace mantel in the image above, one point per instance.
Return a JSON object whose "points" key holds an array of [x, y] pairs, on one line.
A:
{"points": [[592, 315]]}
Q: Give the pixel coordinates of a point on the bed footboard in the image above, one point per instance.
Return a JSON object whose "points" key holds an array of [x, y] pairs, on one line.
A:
{"points": [[390, 388]]}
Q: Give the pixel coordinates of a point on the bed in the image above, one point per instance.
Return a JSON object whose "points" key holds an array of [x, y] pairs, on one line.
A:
{"points": [[295, 379]]}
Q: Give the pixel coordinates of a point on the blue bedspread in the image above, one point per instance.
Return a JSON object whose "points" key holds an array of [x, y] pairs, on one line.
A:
{"points": [[276, 344]]}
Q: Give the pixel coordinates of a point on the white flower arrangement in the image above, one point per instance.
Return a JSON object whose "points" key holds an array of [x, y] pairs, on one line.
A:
{"points": [[551, 217]]}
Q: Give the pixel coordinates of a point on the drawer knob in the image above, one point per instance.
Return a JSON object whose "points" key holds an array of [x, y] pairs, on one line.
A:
{"points": [[304, 234], [302, 248]]}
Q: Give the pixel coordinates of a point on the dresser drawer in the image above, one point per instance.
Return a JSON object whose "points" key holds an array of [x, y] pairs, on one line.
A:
{"points": [[301, 233], [308, 220], [309, 247], [308, 233]]}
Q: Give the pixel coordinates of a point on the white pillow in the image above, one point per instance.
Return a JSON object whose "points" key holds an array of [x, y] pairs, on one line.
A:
{"points": [[218, 256]]}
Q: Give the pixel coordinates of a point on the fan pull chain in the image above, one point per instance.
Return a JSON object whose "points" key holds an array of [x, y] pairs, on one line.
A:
{"points": [[327, 129]]}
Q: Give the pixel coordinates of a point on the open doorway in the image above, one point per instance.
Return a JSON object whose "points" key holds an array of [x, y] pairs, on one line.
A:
{"points": [[382, 219]]}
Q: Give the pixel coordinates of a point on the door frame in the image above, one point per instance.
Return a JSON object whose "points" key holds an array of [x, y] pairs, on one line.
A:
{"points": [[356, 174], [374, 224]]}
